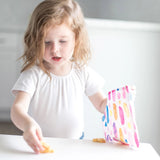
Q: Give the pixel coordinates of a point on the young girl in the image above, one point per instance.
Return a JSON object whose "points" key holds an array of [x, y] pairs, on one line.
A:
{"points": [[54, 78]]}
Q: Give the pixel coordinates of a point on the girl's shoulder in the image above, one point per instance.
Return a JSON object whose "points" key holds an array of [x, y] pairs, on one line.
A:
{"points": [[33, 70]]}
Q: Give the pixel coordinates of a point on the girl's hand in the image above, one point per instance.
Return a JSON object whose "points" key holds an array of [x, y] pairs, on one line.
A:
{"points": [[99, 101], [33, 136]]}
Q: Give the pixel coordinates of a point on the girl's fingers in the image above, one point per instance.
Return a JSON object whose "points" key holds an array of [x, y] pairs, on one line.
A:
{"points": [[35, 149], [39, 146], [37, 142], [34, 142], [39, 134]]}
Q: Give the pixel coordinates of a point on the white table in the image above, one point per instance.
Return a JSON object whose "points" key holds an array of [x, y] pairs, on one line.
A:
{"points": [[15, 148]]}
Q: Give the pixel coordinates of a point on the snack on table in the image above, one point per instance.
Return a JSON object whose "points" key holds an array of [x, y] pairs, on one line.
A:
{"points": [[119, 118], [99, 140], [46, 147]]}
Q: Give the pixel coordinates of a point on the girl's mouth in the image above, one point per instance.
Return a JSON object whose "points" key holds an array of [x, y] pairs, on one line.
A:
{"points": [[56, 58]]}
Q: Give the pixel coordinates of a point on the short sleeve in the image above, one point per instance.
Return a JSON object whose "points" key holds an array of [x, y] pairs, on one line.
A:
{"points": [[26, 82], [94, 82]]}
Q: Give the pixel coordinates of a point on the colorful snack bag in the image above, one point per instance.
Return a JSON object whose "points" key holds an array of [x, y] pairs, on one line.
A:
{"points": [[119, 118]]}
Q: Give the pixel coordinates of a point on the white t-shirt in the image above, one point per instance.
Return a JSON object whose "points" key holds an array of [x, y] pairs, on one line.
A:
{"points": [[57, 104]]}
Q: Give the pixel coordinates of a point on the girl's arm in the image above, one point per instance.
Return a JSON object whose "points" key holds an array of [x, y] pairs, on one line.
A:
{"points": [[19, 115], [99, 101]]}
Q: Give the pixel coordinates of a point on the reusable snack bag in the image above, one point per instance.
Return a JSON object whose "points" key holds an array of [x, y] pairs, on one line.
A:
{"points": [[119, 118]]}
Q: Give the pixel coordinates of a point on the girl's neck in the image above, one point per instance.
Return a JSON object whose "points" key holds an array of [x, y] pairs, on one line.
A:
{"points": [[62, 70]]}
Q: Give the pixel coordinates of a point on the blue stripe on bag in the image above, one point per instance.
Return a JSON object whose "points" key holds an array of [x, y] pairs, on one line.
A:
{"points": [[82, 136]]}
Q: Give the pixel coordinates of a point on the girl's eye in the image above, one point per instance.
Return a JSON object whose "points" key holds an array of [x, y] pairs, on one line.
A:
{"points": [[47, 43], [63, 41]]}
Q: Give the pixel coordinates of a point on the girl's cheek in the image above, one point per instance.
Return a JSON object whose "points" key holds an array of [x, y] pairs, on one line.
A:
{"points": [[46, 55]]}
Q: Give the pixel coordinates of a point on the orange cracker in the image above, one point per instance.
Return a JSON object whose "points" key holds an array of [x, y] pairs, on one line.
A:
{"points": [[47, 148], [99, 140]]}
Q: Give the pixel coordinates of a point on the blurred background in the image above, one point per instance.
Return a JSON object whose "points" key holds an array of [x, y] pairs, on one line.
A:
{"points": [[125, 37]]}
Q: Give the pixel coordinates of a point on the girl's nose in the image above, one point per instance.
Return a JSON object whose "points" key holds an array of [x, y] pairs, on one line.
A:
{"points": [[55, 48]]}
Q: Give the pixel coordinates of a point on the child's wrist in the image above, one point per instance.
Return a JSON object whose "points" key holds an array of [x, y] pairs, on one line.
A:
{"points": [[30, 123]]}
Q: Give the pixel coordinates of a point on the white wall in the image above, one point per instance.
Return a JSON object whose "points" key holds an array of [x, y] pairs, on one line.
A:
{"points": [[128, 53], [18, 12], [129, 10], [10, 49]]}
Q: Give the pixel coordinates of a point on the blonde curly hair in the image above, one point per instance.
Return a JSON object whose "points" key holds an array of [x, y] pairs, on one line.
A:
{"points": [[55, 12]]}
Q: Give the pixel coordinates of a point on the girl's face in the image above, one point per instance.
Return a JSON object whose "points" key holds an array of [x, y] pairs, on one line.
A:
{"points": [[59, 45]]}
